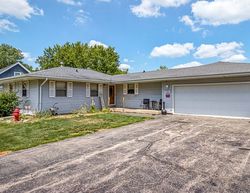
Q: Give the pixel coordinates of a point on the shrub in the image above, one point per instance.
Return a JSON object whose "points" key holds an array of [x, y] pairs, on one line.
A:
{"points": [[8, 102], [92, 109], [43, 114], [82, 110], [106, 110]]}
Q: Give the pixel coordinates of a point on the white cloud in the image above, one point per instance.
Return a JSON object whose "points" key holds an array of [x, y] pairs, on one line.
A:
{"points": [[226, 51], [235, 58], [219, 12], [189, 22], [126, 60], [20, 9], [70, 2], [124, 67], [105, 1], [151, 8], [27, 56], [187, 65], [81, 17], [96, 43], [172, 50], [6, 25]]}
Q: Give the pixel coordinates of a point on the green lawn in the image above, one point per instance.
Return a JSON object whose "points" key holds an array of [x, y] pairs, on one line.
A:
{"points": [[16, 136]]}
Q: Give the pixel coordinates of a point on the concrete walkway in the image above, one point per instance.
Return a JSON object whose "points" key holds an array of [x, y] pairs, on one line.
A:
{"points": [[168, 154]]}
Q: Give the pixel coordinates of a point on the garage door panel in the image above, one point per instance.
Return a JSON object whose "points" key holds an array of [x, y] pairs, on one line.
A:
{"points": [[221, 100]]}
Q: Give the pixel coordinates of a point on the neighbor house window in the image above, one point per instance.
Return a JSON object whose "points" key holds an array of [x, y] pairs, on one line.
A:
{"points": [[61, 89], [24, 89], [94, 90], [131, 88], [17, 73]]}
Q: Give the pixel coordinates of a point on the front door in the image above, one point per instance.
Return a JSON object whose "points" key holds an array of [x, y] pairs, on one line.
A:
{"points": [[111, 95]]}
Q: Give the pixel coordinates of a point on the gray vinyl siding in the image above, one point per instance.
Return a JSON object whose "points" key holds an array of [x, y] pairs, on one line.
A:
{"points": [[152, 91], [70, 104], [10, 72]]}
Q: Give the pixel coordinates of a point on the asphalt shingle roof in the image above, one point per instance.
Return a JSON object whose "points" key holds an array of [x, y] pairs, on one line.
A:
{"points": [[71, 73], [219, 68]]}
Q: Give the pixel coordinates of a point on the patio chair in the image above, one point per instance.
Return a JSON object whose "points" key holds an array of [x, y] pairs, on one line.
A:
{"points": [[160, 104], [146, 103]]}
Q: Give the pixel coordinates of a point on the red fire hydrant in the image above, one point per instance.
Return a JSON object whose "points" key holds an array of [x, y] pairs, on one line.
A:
{"points": [[16, 114]]}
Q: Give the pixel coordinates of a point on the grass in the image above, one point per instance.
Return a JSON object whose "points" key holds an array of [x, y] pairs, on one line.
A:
{"points": [[23, 135]]}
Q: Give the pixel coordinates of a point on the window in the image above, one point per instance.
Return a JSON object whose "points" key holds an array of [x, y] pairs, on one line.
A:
{"points": [[61, 89], [24, 89], [94, 90], [1, 88], [131, 89], [17, 73]]}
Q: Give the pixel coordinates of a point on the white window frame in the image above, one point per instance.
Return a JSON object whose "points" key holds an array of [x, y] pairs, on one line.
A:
{"points": [[18, 73], [27, 89], [97, 90], [66, 84]]}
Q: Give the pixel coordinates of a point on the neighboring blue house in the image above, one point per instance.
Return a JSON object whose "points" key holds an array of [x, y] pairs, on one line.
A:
{"points": [[16, 69], [13, 70]]}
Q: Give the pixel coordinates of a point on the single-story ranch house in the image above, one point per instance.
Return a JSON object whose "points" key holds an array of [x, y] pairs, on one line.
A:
{"points": [[219, 89]]}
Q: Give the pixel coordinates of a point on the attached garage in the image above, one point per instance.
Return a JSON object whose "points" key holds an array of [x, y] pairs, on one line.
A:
{"points": [[231, 99]]}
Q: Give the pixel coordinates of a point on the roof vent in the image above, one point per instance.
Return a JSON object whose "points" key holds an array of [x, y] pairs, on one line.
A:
{"points": [[143, 71]]}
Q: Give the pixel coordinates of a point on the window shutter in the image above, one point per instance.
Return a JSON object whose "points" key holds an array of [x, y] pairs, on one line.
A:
{"points": [[69, 89], [87, 89], [19, 89], [28, 88], [52, 88], [100, 90], [125, 89], [136, 88]]}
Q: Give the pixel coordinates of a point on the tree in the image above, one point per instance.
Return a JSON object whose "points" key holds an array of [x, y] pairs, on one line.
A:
{"points": [[80, 55], [163, 67], [10, 55]]}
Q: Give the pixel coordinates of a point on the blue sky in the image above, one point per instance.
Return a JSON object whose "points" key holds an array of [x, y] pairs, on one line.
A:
{"points": [[145, 33]]}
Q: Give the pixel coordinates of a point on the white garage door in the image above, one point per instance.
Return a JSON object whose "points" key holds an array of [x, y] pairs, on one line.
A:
{"points": [[219, 100]]}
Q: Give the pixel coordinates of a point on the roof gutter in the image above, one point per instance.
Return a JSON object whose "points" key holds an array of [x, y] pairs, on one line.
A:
{"points": [[40, 94]]}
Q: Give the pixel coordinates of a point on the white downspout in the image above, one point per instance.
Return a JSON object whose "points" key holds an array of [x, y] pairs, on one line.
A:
{"points": [[40, 94]]}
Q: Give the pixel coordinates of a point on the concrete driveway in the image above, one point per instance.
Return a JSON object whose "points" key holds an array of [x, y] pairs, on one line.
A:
{"points": [[168, 154]]}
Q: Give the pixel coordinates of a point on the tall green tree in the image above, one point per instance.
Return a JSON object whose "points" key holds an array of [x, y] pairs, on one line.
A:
{"points": [[10, 55], [81, 55], [163, 67]]}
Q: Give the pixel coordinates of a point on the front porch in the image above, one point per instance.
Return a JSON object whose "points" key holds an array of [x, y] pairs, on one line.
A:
{"points": [[137, 111]]}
